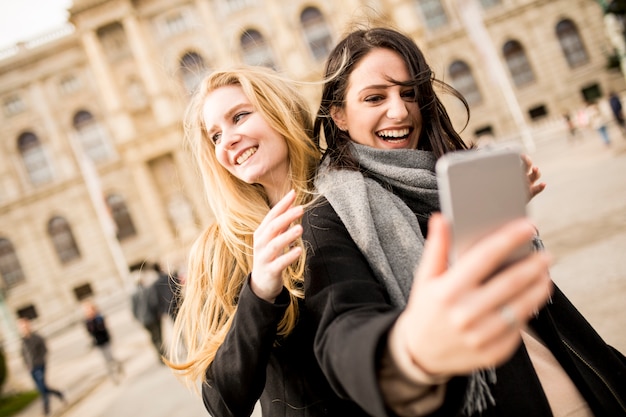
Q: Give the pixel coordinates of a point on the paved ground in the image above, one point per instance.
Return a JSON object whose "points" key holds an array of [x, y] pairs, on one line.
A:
{"points": [[581, 216]]}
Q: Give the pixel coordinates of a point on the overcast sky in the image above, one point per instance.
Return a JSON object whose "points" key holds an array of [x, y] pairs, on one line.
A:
{"points": [[21, 20]]}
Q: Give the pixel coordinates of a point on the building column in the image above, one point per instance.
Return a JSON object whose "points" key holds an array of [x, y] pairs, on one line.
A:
{"points": [[120, 123], [284, 36], [212, 27], [53, 131], [162, 108], [150, 197]]}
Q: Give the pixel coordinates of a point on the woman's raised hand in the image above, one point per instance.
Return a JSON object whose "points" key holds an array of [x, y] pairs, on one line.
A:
{"points": [[532, 174], [273, 250], [468, 316]]}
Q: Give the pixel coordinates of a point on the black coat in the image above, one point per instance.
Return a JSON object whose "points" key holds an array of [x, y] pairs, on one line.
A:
{"points": [[253, 363], [354, 316], [98, 330]]}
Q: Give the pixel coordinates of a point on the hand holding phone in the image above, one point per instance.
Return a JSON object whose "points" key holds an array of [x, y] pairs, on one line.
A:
{"points": [[479, 191]]}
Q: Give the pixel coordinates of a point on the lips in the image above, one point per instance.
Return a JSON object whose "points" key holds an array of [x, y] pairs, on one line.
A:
{"points": [[245, 155]]}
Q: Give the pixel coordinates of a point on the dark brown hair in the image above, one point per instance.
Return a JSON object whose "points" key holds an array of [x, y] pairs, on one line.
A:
{"points": [[438, 134]]}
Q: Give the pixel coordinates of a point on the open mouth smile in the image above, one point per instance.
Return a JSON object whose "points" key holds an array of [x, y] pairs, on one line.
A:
{"points": [[247, 154], [394, 135]]}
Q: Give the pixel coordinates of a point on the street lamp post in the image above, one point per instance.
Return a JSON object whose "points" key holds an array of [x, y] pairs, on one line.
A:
{"points": [[472, 19], [615, 26], [96, 195]]}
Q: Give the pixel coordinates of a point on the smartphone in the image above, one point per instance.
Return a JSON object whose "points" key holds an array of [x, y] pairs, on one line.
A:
{"points": [[479, 191]]}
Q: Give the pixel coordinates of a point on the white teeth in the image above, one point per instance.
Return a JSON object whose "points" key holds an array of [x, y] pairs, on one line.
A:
{"points": [[394, 133], [247, 154]]}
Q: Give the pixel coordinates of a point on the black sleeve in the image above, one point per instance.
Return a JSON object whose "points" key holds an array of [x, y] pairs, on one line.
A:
{"points": [[236, 377], [352, 309]]}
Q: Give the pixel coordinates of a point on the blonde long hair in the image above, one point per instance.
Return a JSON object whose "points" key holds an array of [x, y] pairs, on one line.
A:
{"points": [[221, 258]]}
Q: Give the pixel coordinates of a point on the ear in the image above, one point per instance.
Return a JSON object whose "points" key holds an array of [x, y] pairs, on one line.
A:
{"points": [[339, 117]]}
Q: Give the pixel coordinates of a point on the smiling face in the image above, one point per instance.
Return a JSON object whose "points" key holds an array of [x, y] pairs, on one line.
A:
{"points": [[377, 112], [245, 144]]}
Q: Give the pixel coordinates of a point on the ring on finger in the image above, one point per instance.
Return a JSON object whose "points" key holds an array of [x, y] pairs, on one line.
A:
{"points": [[508, 315]]}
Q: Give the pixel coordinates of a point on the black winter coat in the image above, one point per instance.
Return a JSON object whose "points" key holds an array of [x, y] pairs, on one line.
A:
{"points": [[253, 363], [354, 316]]}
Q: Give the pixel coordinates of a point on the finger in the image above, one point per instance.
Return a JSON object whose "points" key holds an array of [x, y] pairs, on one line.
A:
{"points": [[280, 207], [500, 348], [270, 228], [498, 332], [527, 161], [283, 261], [534, 174], [281, 243], [434, 260], [537, 188], [489, 253], [523, 286]]}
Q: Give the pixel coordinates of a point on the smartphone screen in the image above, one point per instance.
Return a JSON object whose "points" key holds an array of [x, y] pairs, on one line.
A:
{"points": [[480, 190]]}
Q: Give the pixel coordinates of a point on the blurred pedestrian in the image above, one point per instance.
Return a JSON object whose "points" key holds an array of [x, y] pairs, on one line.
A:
{"points": [[616, 109], [145, 306], [34, 352], [571, 124], [96, 326], [165, 287], [598, 121]]}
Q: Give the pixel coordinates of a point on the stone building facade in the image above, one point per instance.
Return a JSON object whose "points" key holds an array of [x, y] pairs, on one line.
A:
{"points": [[94, 177]]}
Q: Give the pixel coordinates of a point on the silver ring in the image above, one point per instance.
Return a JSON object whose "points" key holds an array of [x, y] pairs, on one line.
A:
{"points": [[508, 315]]}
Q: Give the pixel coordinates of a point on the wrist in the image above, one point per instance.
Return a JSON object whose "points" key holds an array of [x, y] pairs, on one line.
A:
{"points": [[404, 358]]}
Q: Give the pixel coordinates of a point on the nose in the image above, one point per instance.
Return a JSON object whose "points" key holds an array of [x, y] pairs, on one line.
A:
{"points": [[230, 138], [397, 109]]}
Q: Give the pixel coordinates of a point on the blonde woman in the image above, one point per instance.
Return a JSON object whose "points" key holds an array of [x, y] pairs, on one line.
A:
{"points": [[243, 323]]}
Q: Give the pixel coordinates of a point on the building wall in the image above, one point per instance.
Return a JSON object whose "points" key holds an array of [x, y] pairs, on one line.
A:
{"points": [[131, 85]]}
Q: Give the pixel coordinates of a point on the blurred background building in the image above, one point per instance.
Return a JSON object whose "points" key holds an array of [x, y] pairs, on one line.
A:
{"points": [[94, 177]]}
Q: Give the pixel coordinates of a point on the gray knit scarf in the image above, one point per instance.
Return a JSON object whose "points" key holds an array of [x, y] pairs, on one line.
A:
{"points": [[384, 224]]}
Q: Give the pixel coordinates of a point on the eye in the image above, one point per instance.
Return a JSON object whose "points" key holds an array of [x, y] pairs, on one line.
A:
{"points": [[410, 94], [216, 137], [373, 98], [237, 117]]}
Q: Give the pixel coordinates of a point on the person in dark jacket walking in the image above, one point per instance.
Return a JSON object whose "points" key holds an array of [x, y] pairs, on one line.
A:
{"points": [[101, 338], [617, 110], [400, 331], [146, 309], [166, 287], [34, 352]]}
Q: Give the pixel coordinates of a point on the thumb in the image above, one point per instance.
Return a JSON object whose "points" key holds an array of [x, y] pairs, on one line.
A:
{"points": [[434, 260]]}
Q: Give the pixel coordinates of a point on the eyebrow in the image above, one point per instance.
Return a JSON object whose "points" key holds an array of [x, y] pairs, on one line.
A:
{"points": [[376, 87], [228, 115]]}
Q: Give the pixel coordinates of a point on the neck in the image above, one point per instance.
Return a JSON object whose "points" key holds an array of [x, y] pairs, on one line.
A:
{"points": [[275, 192]]}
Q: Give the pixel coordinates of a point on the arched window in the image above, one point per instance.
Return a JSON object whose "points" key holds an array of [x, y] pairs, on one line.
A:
{"points": [[92, 136], [121, 217], [63, 239], [433, 12], [10, 267], [316, 32], [463, 80], [571, 43], [518, 64], [255, 50], [192, 69], [34, 158]]}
